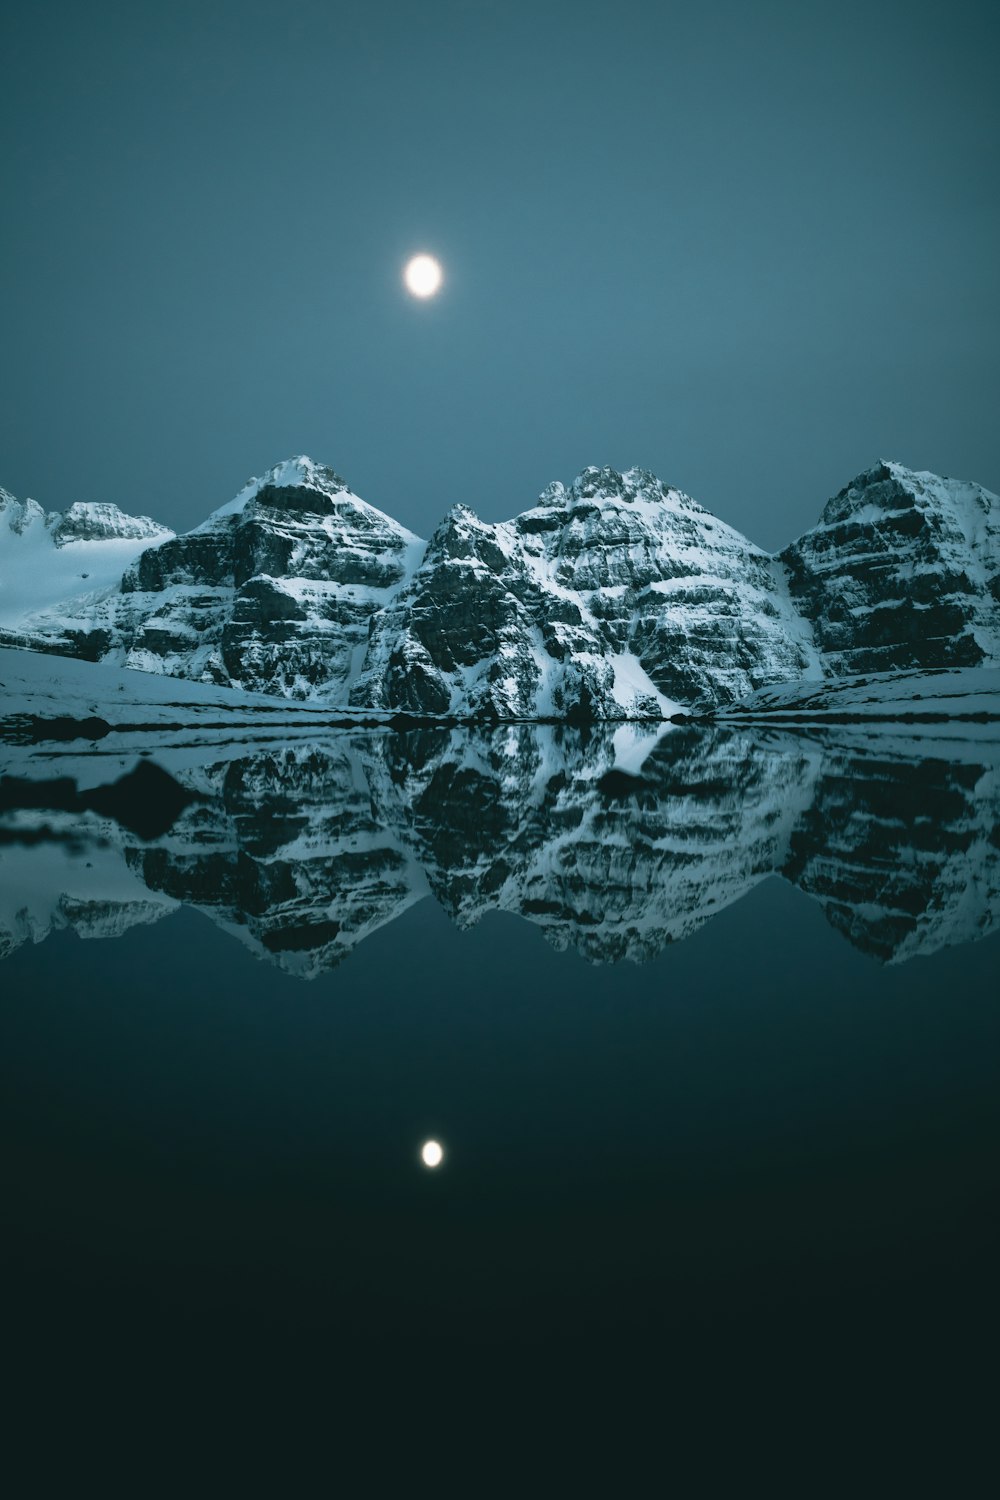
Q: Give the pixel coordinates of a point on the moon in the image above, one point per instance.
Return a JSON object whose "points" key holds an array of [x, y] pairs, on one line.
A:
{"points": [[423, 275], [432, 1153]]}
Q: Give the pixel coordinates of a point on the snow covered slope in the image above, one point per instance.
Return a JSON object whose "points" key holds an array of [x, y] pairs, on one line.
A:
{"points": [[948, 692], [46, 688], [65, 563]]}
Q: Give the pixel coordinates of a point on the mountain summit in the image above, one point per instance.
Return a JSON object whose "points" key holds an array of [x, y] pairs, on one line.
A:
{"points": [[615, 597], [903, 570]]}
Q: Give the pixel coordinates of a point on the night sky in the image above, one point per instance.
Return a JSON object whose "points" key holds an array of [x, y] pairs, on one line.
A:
{"points": [[750, 246]]}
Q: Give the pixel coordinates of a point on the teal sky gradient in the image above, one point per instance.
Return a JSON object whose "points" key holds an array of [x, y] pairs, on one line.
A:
{"points": [[753, 247]]}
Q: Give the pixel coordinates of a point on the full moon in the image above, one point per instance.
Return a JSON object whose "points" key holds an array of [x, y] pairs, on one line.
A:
{"points": [[432, 1153], [423, 275]]}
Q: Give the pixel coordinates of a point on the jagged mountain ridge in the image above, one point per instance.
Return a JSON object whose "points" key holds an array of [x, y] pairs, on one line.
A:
{"points": [[618, 597], [615, 597]]}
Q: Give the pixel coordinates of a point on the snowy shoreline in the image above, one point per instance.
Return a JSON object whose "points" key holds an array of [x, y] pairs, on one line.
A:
{"points": [[47, 697]]}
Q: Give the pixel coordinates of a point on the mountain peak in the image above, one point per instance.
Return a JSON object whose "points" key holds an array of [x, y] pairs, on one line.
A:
{"points": [[460, 514], [300, 470], [901, 573], [20, 514], [554, 494], [889, 487], [296, 473], [99, 521], [602, 482], [630, 487]]}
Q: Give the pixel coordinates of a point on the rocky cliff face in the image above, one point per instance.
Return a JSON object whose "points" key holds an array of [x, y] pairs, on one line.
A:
{"points": [[903, 570], [274, 592], [615, 598]]}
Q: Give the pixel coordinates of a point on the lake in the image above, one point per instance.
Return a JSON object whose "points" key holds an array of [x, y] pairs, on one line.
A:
{"points": [[707, 1028]]}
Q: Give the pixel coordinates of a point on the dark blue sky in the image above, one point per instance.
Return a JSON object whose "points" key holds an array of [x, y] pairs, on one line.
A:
{"points": [[750, 246]]}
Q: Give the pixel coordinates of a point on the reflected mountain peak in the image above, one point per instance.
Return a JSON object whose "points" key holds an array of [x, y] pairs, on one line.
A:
{"points": [[613, 844]]}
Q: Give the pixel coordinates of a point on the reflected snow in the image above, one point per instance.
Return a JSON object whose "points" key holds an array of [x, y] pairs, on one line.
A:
{"points": [[614, 843]]}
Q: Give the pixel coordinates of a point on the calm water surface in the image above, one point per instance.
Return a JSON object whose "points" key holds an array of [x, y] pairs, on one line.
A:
{"points": [[708, 1031]]}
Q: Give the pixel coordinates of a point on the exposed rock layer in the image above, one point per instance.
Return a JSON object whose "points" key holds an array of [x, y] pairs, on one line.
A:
{"points": [[902, 571], [617, 597]]}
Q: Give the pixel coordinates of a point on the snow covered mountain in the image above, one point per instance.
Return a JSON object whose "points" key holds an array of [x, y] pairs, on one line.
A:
{"points": [[903, 570], [64, 565], [273, 593], [615, 598]]}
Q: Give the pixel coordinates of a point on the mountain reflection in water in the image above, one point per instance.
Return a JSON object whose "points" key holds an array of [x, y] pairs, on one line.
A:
{"points": [[304, 850]]}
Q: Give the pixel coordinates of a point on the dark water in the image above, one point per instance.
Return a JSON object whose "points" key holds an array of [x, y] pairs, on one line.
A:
{"points": [[711, 1042]]}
